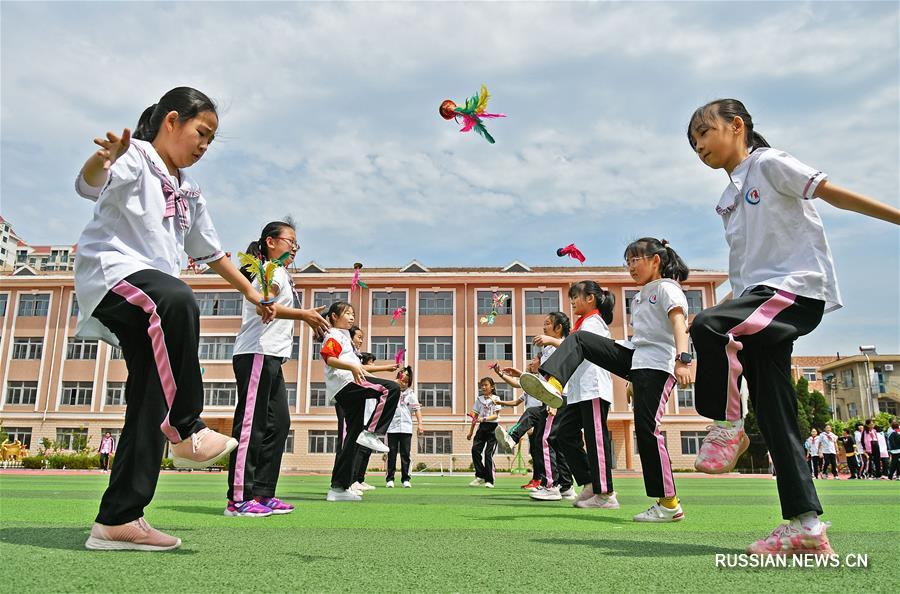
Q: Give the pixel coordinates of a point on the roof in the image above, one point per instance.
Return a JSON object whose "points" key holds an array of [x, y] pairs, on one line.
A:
{"points": [[859, 359]]}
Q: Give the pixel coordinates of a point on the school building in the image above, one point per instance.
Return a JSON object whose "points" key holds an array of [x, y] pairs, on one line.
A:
{"points": [[57, 386]]}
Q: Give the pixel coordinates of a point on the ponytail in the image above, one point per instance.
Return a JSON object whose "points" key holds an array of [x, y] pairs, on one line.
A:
{"points": [[726, 110], [603, 299], [187, 102], [670, 263]]}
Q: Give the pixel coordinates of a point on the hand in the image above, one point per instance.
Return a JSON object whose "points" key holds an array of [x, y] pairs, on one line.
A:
{"points": [[420, 430], [469, 437], [540, 340], [395, 366], [682, 374], [267, 312], [496, 369], [112, 148], [511, 372], [359, 374], [313, 318]]}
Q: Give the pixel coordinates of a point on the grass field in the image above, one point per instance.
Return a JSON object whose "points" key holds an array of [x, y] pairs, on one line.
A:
{"points": [[440, 536]]}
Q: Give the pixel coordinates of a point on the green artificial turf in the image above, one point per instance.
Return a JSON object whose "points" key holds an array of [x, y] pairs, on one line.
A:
{"points": [[440, 536]]}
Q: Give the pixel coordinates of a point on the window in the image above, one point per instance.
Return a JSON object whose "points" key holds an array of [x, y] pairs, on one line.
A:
{"points": [[435, 395], [216, 348], [847, 378], [295, 349], [219, 394], [23, 434], [695, 302], [686, 397], [74, 312], [486, 303], [81, 349], [316, 350], [436, 442], [322, 442], [226, 303], [3, 299], [691, 440], [504, 391], [888, 406], [436, 303], [809, 373], [34, 305], [69, 438], [385, 348], [629, 297], [851, 410], [321, 298], [435, 348], [541, 302], [291, 390], [289, 443], [495, 348], [634, 441], [115, 394], [21, 392], [115, 353], [531, 350], [384, 303], [28, 348], [317, 395], [77, 393]]}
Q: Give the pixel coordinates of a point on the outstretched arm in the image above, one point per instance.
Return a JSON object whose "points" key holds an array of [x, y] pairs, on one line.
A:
{"points": [[846, 200], [96, 168]]}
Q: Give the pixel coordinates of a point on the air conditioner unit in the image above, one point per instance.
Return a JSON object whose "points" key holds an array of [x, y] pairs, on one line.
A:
{"points": [[889, 367]]}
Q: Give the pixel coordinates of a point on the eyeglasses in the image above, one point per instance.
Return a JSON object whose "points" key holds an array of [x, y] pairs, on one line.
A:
{"points": [[294, 245], [632, 262]]}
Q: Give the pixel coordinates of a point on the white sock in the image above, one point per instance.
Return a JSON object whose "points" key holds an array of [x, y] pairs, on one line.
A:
{"points": [[731, 424], [808, 520]]}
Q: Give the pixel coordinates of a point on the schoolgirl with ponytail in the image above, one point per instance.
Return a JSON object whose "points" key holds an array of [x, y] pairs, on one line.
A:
{"points": [[783, 280], [656, 357], [148, 213]]}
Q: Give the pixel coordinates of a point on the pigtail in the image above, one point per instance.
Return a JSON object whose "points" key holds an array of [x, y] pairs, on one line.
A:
{"points": [[146, 129], [757, 141], [672, 265], [606, 305]]}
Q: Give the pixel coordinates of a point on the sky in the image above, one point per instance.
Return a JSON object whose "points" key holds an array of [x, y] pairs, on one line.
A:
{"points": [[328, 112]]}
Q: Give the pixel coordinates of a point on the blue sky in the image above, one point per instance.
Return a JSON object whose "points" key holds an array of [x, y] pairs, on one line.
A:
{"points": [[329, 113]]}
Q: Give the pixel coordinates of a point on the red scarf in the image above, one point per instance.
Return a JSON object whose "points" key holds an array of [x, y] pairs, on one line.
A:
{"points": [[579, 321]]}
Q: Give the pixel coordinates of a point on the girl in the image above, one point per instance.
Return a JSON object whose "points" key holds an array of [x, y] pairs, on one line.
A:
{"points": [[588, 398], [361, 462], [550, 466], [262, 419], [812, 452], [349, 385], [148, 211], [400, 431], [783, 280], [485, 413]]}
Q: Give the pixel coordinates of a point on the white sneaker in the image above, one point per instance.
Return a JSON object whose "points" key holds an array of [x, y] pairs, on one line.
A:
{"points": [[658, 513], [546, 494], [342, 495], [356, 488], [389, 485], [478, 482], [541, 389], [489, 485], [503, 435], [569, 494], [367, 439], [364, 486], [407, 485], [587, 492], [599, 501]]}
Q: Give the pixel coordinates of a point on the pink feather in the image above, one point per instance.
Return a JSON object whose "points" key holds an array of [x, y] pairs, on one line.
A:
{"points": [[400, 354]]}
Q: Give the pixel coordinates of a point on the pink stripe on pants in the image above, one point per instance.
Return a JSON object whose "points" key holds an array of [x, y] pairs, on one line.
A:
{"points": [[379, 408], [240, 462], [664, 463], [545, 448], [598, 437]]}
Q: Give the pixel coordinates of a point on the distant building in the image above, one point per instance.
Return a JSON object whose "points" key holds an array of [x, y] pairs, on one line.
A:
{"points": [[860, 388]]}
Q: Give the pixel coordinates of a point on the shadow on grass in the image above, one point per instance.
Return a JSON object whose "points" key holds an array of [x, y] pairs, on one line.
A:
{"points": [[67, 539], [584, 515], [641, 548]]}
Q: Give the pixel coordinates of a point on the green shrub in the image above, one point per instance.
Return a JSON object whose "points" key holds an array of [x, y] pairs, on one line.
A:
{"points": [[421, 467], [74, 461], [33, 462], [167, 464]]}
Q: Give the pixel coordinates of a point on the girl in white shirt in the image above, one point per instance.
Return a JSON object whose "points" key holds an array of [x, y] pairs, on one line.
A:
{"points": [[485, 413], [783, 280], [262, 418], [401, 429], [148, 212], [348, 385]]}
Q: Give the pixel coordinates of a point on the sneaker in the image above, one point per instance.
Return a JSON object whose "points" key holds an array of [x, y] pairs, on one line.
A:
{"points": [[277, 506], [247, 509], [658, 513], [721, 449], [478, 482], [532, 485], [356, 488], [546, 494], [364, 486], [600, 501], [489, 485], [367, 439], [789, 539], [408, 485], [342, 495], [502, 436], [541, 389], [389, 485], [568, 494], [133, 536], [587, 492], [202, 449]]}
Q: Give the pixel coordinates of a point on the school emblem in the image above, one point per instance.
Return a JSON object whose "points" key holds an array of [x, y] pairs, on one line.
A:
{"points": [[652, 300], [752, 196]]}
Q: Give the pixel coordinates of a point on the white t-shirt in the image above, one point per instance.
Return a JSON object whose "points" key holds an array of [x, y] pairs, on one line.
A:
{"points": [[485, 407], [826, 444], [774, 232], [129, 231], [402, 421], [857, 435], [653, 340], [275, 338], [812, 446], [337, 343], [590, 381]]}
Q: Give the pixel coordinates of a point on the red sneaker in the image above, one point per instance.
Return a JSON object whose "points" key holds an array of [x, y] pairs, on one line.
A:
{"points": [[531, 485]]}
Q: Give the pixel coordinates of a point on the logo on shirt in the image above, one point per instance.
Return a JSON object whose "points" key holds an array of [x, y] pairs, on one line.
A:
{"points": [[752, 196], [652, 299]]}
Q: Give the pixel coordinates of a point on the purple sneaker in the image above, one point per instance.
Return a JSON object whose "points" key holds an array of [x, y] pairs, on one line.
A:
{"points": [[275, 504], [247, 509]]}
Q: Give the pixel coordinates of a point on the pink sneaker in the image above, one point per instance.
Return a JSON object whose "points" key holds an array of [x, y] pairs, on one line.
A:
{"points": [[599, 501], [789, 539], [721, 449], [275, 504], [137, 535], [246, 509], [202, 449]]}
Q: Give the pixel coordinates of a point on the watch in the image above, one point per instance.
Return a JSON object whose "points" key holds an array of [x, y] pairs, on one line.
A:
{"points": [[685, 358]]}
